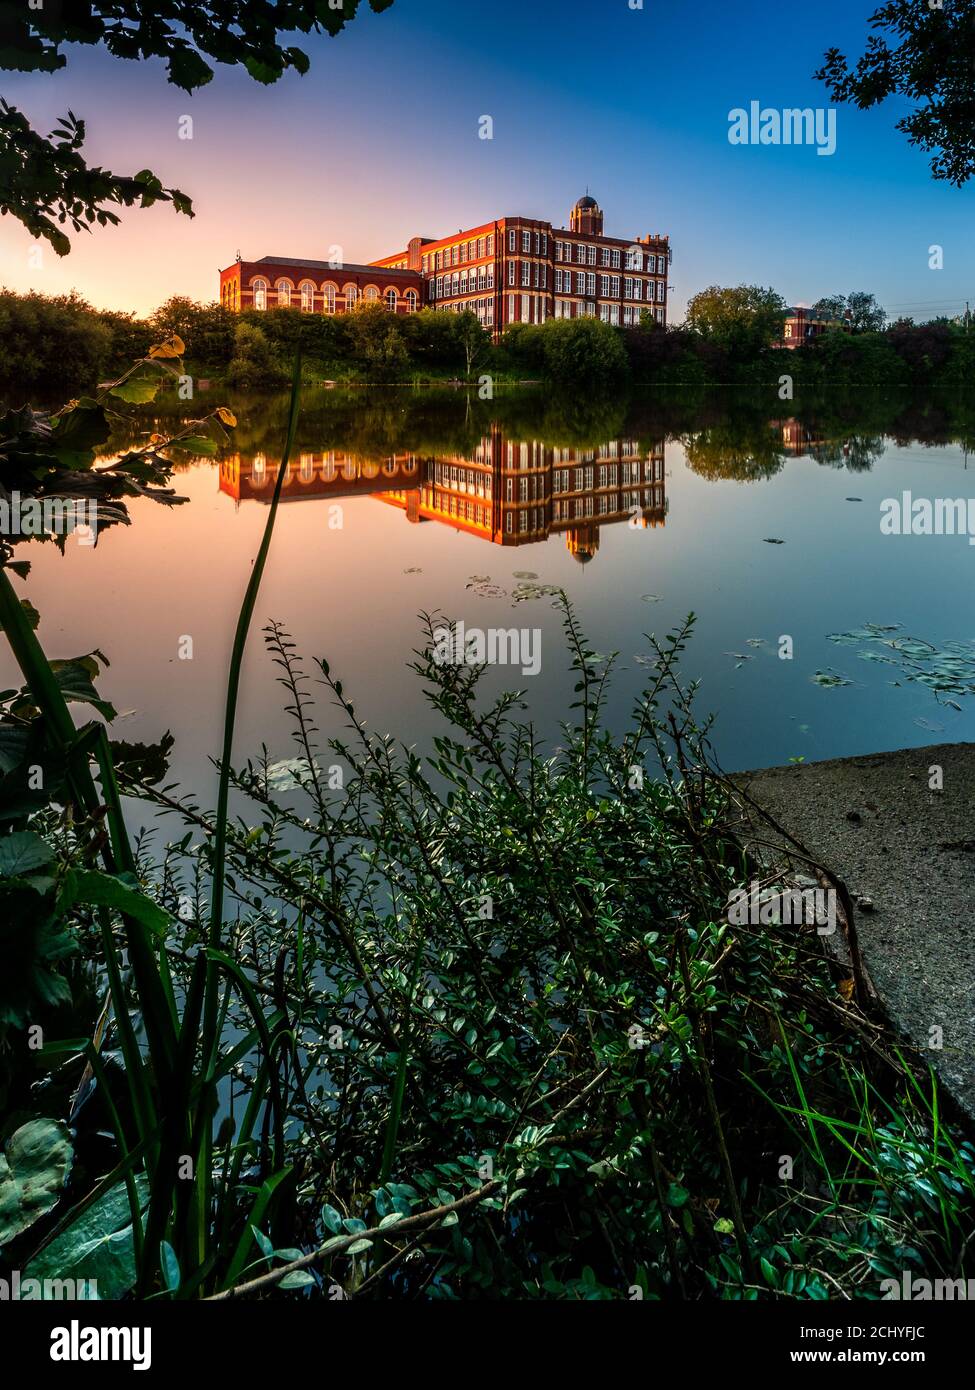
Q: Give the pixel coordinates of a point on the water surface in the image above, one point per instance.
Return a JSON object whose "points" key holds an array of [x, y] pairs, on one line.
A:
{"points": [[642, 512]]}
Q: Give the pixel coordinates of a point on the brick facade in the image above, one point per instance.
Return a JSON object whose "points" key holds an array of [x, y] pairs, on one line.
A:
{"points": [[509, 270]]}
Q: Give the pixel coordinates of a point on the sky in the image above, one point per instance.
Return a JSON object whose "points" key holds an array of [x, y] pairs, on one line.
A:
{"points": [[380, 142]]}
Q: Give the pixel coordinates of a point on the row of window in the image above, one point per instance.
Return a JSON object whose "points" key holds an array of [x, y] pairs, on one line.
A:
{"points": [[609, 313], [307, 290], [533, 273], [474, 250], [483, 308], [612, 256], [609, 286], [463, 511], [530, 241], [462, 282], [348, 468]]}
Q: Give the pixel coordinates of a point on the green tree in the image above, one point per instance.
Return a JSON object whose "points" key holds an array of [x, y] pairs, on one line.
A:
{"points": [[744, 320], [206, 329], [254, 366], [858, 310], [472, 341], [52, 342], [571, 352], [377, 342], [431, 337], [922, 52], [831, 306], [45, 182]]}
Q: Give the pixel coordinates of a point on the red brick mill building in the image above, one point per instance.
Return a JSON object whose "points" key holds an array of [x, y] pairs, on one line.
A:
{"points": [[510, 270]]}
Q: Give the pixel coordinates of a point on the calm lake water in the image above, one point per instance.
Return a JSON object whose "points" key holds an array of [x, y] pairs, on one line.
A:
{"points": [[643, 512]]}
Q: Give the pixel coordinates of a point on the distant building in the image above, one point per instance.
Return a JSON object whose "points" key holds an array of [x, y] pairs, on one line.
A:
{"points": [[316, 287], [508, 270], [803, 326]]}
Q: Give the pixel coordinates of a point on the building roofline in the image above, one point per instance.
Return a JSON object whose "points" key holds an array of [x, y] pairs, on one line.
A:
{"points": [[326, 265]]}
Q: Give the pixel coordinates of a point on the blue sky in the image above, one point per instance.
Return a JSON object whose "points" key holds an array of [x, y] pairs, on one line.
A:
{"points": [[379, 142]]}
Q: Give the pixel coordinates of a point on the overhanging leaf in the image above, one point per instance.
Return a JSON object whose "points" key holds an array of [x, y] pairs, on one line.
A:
{"points": [[32, 1174]]}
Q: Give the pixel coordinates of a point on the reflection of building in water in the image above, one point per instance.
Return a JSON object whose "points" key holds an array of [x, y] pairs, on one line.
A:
{"points": [[329, 474], [507, 492], [798, 439], [518, 493]]}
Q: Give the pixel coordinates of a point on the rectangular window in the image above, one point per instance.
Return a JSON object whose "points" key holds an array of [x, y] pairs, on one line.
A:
{"points": [[615, 256], [591, 282], [627, 288], [604, 286], [544, 243], [526, 271], [526, 241], [511, 239], [526, 308], [590, 255], [580, 254], [511, 272], [580, 282], [661, 291], [490, 244]]}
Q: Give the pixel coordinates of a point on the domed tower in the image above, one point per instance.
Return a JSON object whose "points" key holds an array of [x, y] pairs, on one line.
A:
{"points": [[587, 217], [582, 542]]}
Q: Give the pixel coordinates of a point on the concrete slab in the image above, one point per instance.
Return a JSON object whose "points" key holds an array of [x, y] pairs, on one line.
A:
{"points": [[880, 823]]}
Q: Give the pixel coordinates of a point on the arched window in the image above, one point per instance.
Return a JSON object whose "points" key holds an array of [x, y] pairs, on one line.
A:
{"points": [[307, 472], [411, 301], [260, 294], [391, 301], [351, 297], [371, 294], [328, 299], [284, 294], [307, 296]]}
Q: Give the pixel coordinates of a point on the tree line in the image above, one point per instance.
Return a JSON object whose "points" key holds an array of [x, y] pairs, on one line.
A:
{"points": [[49, 344]]}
